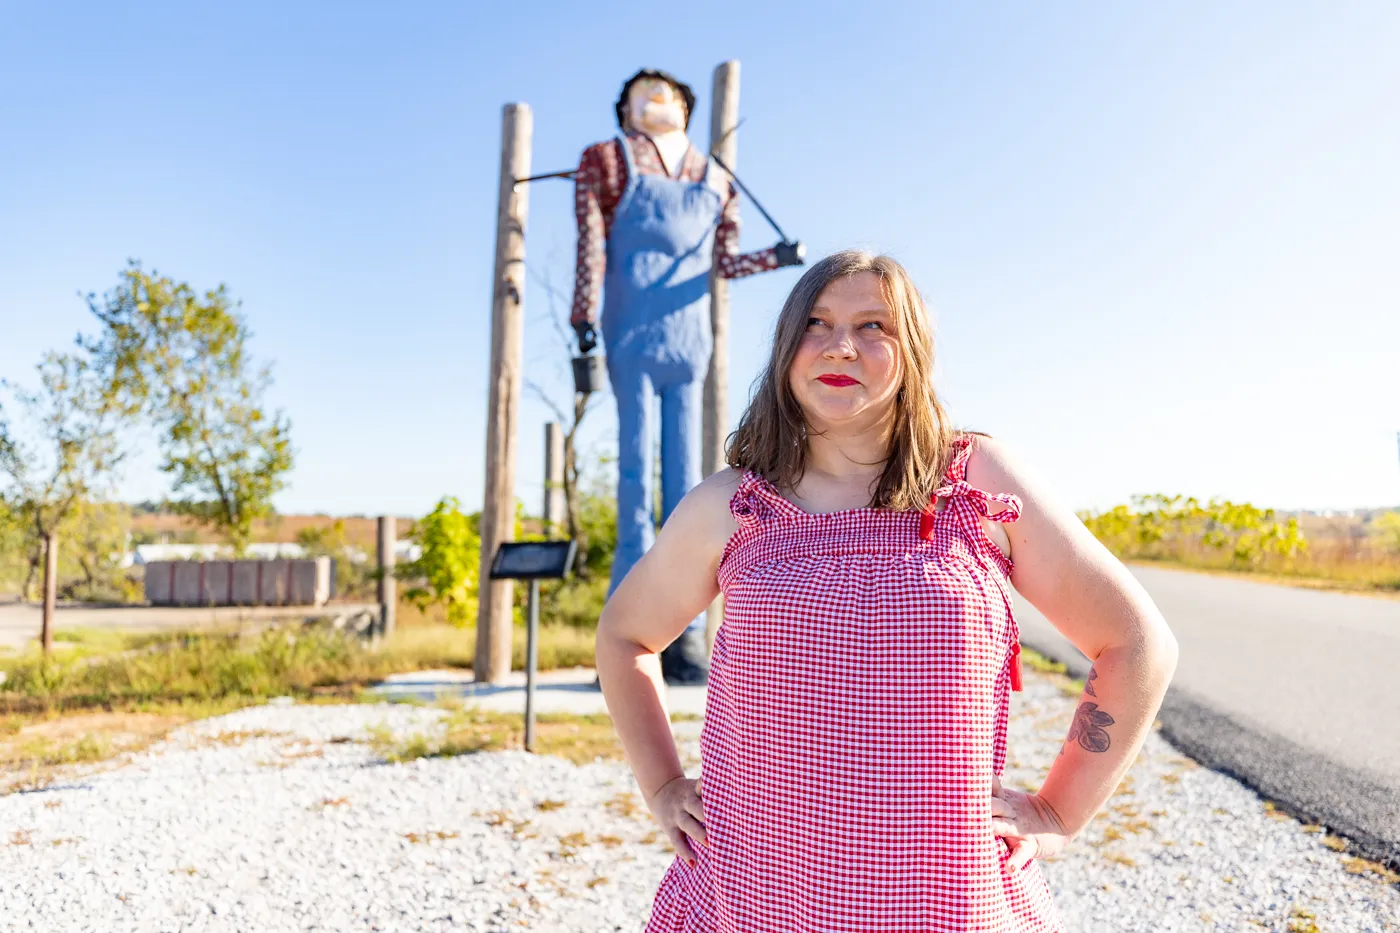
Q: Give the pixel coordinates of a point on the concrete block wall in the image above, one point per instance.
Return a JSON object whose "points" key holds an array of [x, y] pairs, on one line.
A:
{"points": [[239, 582]]}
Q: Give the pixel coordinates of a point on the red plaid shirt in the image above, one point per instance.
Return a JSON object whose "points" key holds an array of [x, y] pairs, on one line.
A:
{"points": [[598, 187]]}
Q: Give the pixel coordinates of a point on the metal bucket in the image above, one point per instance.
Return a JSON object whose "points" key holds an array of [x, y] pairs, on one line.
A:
{"points": [[590, 373]]}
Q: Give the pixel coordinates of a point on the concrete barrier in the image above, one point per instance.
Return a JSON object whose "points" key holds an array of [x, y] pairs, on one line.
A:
{"points": [[239, 582]]}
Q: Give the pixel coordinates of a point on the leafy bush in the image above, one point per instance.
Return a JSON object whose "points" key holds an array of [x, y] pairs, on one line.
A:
{"points": [[446, 571], [1159, 527]]}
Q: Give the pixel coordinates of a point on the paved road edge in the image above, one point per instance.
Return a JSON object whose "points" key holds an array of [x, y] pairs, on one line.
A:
{"points": [[1306, 785]]}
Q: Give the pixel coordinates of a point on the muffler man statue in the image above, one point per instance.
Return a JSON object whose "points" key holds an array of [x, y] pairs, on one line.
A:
{"points": [[655, 215]]}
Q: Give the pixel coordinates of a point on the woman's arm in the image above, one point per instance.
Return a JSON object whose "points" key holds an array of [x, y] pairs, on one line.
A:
{"points": [[672, 583], [1063, 570]]}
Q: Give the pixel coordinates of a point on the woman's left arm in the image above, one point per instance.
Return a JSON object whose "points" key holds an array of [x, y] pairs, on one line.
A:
{"points": [[1086, 593]]}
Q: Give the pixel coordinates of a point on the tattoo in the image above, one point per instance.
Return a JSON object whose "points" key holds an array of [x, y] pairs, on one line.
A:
{"points": [[1088, 728], [1089, 682]]}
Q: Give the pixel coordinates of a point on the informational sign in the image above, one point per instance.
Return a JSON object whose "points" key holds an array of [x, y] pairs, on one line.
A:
{"points": [[532, 560]]}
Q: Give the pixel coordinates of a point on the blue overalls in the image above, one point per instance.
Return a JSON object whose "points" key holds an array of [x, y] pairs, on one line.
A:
{"points": [[656, 327]]}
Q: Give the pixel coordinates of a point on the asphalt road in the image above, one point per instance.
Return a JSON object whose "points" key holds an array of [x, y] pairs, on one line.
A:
{"points": [[19, 623], [1294, 692]]}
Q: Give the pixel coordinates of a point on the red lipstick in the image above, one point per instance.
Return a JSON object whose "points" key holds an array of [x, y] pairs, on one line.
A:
{"points": [[834, 379]]}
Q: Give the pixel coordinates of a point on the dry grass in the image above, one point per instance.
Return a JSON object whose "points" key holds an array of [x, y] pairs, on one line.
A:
{"points": [[1302, 920], [32, 755], [1379, 578], [580, 739], [1360, 866]]}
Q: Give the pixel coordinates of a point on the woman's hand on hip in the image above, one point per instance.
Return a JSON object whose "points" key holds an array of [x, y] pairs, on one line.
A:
{"points": [[679, 810], [1029, 825]]}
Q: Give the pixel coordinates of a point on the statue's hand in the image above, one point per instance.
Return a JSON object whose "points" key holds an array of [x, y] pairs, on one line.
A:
{"points": [[587, 336], [791, 253]]}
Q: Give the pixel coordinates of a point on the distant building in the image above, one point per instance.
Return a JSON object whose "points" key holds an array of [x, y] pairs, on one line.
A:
{"points": [[405, 550]]}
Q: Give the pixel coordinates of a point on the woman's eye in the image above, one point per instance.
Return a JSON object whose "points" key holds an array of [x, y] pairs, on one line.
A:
{"points": [[813, 320], [874, 323]]}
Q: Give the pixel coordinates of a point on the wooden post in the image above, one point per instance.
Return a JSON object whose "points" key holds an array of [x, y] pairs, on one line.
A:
{"points": [[724, 116], [388, 590], [493, 624], [553, 478], [50, 590]]}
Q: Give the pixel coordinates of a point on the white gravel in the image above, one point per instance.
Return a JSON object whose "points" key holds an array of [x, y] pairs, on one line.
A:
{"points": [[1180, 847], [268, 819]]}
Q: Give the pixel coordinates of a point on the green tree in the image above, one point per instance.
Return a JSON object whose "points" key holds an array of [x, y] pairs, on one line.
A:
{"points": [[182, 358], [1386, 529], [14, 552], [62, 450], [447, 568]]}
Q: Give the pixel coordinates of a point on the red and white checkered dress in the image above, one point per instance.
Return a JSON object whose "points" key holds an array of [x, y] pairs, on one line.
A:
{"points": [[859, 691]]}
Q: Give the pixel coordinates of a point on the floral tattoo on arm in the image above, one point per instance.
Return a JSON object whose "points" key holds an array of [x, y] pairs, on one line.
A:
{"points": [[1090, 722]]}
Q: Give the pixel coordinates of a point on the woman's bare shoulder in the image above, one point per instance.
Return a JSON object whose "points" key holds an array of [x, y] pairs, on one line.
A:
{"points": [[993, 468], [702, 522], [712, 496]]}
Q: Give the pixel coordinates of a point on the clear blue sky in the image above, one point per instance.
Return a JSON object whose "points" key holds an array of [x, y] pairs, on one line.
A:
{"points": [[1162, 242]]}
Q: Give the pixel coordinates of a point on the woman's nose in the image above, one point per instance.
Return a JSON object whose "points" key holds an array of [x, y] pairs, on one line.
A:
{"points": [[840, 346]]}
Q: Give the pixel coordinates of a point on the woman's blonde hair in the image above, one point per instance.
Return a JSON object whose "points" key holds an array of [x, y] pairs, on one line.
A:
{"points": [[771, 437]]}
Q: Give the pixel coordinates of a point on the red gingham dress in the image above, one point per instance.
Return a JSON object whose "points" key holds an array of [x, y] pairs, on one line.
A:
{"points": [[859, 691]]}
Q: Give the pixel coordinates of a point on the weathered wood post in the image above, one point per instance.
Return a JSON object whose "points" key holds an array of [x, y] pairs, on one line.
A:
{"points": [[388, 590], [724, 115], [50, 591], [553, 478], [493, 624]]}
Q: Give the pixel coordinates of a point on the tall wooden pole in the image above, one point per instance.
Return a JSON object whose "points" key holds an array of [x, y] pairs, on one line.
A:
{"points": [[388, 590], [50, 591], [493, 624], [553, 478], [724, 116]]}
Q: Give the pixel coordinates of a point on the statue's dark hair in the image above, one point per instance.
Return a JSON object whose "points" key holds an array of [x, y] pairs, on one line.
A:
{"points": [[686, 93]]}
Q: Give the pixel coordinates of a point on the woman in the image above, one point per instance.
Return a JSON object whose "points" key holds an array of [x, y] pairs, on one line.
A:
{"points": [[855, 728]]}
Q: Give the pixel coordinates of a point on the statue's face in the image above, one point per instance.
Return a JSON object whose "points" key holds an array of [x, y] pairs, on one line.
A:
{"points": [[654, 106]]}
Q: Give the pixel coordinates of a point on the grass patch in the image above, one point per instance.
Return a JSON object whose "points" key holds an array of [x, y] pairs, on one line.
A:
{"points": [[32, 755], [119, 692], [1360, 866], [580, 739], [128, 671], [1039, 662]]}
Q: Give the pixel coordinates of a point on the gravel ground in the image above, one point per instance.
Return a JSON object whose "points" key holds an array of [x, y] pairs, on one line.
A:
{"points": [[282, 818]]}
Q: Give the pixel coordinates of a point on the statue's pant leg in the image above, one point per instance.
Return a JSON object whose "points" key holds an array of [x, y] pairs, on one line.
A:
{"points": [[632, 387], [682, 404]]}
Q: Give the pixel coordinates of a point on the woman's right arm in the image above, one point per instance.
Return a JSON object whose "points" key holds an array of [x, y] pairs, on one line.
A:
{"points": [[672, 583]]}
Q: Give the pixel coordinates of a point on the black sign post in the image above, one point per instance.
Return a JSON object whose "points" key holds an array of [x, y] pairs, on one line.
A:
{"points": [[533, 561]]}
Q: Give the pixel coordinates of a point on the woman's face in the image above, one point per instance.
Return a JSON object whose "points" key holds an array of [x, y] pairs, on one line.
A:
{"points": [[847, 368]]}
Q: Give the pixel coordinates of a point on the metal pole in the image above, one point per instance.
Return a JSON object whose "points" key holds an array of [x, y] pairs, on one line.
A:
{"points": [[531, 662], [493, 624], [724, 142], [388, 591]]}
